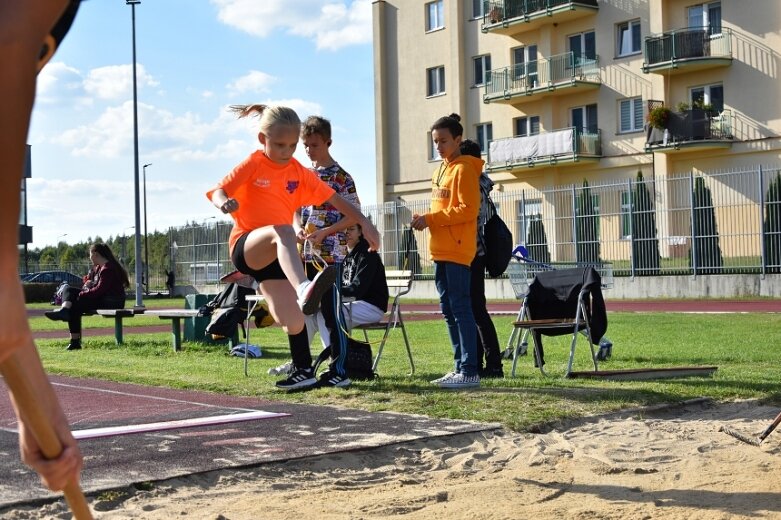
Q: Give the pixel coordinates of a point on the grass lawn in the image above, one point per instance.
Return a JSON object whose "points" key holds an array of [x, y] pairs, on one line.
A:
{"points": [[743, 346]]}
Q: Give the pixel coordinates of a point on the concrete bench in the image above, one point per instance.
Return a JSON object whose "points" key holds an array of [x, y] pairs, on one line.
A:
{"points": [[118, 315], [176, 316]]}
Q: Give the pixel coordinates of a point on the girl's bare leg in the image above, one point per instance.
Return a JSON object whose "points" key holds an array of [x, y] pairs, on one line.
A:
{"points": [[24, 24], [266, 244], [283, 305]]}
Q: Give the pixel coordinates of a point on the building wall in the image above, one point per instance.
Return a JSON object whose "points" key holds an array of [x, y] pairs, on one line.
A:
{"points": [[403, 52]]}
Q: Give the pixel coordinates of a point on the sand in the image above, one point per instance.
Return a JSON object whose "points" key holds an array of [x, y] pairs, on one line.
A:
{"points": [[670, 464]]}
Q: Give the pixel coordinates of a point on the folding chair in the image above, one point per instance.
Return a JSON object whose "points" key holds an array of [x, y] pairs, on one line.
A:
{"points": [[559, 302], [399, 284]]}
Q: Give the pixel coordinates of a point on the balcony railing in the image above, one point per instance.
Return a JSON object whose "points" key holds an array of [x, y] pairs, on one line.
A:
{"points": [[568, 144], [501, 13], [541, 75], [686, 45], [690, 128]]}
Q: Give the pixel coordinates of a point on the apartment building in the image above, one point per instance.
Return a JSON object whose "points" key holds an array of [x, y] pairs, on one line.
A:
{"points": [[558, 92]]}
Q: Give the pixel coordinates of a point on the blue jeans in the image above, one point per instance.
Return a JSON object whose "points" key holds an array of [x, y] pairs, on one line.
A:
{"points": [[453, 282]]}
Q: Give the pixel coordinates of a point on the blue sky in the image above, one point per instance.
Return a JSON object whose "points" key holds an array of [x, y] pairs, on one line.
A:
{"points": [[194, 59]]}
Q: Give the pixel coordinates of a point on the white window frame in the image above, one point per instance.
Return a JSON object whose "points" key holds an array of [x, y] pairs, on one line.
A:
{"points": [[433, 154], [484, 64], [435, 15], [635, 112], [703, 12], [528, 122], [485, 134], [706, 93], [435, 81], [478, 9], [625, 33]]}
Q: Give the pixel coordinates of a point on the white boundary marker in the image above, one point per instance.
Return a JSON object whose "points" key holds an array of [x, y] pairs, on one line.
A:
{"points": [[111, 431]]}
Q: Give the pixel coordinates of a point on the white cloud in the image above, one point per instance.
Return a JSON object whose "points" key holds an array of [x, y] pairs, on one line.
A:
{"points": [[331, 24], [116, 81], [56, 80], [254, 81]]}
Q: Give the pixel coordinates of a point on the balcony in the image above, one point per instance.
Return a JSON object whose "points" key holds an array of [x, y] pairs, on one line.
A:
{"points": [[560, 147], [687, 50], [540, 78], [691, 130], [511, 17]]}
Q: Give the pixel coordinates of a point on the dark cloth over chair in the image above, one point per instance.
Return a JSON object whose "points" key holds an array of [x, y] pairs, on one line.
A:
{"points": [[555, 294]]}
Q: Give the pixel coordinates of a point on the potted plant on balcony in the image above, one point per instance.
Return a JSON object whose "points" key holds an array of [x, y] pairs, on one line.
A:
{"points": [[658, 117]]}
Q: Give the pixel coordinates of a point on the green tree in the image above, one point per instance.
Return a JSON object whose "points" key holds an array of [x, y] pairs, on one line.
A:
{"points": [[645, 242], [705, 234], [587, 247], [771, 226], [537, 240]]}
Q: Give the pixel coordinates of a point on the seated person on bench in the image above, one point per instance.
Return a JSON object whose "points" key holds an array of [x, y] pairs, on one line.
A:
{"points": [[106, 290]]}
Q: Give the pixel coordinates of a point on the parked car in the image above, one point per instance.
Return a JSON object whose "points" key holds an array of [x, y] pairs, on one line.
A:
{"points": [[54, 277]]}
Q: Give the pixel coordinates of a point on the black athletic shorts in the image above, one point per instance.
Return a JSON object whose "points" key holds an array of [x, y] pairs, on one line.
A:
{"points": [[272, 271]]}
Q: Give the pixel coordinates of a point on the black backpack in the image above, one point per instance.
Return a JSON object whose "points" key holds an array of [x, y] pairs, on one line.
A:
{"points": [[359, 360], [498, 241], [227, 310]]}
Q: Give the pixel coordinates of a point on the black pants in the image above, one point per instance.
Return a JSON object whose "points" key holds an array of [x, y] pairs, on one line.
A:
{"points": [[337, 337], [81, 305], [487, 341]]}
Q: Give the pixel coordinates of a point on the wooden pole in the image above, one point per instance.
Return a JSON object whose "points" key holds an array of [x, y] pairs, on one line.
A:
{"points": [[42, 430]]}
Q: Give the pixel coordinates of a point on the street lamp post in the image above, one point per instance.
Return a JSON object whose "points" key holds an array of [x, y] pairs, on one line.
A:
{"points": [[146, 243], [139, 285]]}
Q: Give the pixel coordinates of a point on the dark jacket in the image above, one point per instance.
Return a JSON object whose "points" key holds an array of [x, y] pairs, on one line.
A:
{"points": [[109, 285], [363, 276]]}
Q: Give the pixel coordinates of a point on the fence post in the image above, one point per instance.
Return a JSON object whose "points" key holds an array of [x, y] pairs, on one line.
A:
{"points": [[762, 237], [631, 229], [575, 223], [691, 218]]}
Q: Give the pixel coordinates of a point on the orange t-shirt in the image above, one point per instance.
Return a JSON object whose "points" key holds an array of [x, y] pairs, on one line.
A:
{"points": [[269, 193]]}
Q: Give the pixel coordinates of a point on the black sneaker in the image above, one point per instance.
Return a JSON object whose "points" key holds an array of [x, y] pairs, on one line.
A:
{"points": [[491, 373], [75, 344], [330, 379], [62, 314], [300, 378]]}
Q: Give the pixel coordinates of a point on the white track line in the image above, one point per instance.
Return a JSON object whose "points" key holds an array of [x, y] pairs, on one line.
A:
{"points": [[154, 397], [111, 431]]}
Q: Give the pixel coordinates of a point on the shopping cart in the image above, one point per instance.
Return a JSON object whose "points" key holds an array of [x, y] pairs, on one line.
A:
{"points": [[521, 272]]}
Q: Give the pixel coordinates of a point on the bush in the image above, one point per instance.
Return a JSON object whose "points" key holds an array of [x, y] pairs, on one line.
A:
{"points": [[658, 117], [39, 292]]}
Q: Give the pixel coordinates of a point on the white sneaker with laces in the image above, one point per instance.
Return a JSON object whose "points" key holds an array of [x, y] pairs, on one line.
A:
{"points": [[457, 381], [285, 369], [440, 379], [311, 292]]}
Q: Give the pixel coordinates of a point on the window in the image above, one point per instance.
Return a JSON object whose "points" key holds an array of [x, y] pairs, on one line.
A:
{"points": [[626, 215], [485, 134], [528, 210], [583, 46], [584, 119], [527, 126], [712, 95], [482, 67], [435, 15], [433, 155], [706, 16], [525, 63], [631, 111], [478, 8], [435, 81], [628, 41]]}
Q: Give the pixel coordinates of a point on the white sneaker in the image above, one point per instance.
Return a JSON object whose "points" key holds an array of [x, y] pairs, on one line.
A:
{"points": [[284, 369], [460, 381], [311, 292], [440, 379]]}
